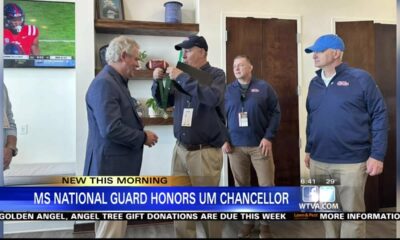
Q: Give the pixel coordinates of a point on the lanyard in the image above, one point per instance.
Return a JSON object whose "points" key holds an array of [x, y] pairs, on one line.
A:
{"points": [[164, 90], [243, 94]]}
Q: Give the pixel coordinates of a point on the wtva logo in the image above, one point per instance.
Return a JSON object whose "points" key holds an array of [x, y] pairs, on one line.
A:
{"points": [[319, 198]]}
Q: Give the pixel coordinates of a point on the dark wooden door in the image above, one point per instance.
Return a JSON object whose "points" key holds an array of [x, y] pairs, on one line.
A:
{"points": [[373, 47], [244, 37], [271, 44], [280, 70], [385, 73]]}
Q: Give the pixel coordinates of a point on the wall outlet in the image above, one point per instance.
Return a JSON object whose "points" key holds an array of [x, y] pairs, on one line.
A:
{"points": [[24, 129]]}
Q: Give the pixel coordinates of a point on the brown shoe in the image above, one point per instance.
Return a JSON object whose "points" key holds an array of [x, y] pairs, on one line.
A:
{"points": [[245, 230], [265, 231]]}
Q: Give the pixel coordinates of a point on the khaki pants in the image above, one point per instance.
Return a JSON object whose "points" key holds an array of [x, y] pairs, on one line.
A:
{"points": [[349, 194], [204, 169], [110, 229], [240, 161]]}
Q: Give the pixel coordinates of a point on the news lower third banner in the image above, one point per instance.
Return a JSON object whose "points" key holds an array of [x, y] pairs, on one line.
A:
{"points": [[214, 199], [162, 194]]}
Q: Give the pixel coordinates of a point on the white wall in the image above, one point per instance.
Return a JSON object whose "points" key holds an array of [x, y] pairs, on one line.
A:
{"points": [[43, 101], [316, 18]]}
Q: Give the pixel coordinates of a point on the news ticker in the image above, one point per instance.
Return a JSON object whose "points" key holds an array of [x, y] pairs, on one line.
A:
{"points": [[38, 57], [160, 193], [39, 61], [185, 216]]}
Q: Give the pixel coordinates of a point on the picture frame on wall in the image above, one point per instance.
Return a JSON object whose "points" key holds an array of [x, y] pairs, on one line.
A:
{"points": [[110, 9]]}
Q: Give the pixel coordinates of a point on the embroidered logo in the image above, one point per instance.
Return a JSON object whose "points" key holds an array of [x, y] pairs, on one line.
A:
{"points": [[254, 90], [343, 83]]}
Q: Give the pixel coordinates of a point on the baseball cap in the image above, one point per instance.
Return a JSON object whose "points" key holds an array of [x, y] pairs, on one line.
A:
{"points": [[193, 41], [324, 42]]}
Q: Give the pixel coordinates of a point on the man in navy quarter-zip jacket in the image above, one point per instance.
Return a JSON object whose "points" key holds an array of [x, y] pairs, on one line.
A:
{"points": [[253, 115], [347, 127], [198, 126]]}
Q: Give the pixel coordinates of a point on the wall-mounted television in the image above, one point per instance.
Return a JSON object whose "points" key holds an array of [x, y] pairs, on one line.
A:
{"points": [[39, 34]]}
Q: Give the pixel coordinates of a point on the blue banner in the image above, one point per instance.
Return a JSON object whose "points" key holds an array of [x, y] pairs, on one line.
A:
{"points": [[215, 199]]}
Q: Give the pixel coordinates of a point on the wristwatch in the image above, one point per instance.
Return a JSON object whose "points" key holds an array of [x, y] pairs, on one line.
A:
{"points": [[14, 151]]}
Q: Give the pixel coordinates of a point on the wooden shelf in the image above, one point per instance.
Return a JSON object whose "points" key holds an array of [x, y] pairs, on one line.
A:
{"points": [[145, 28], [157, 121], [143, 74], [139, 74]]}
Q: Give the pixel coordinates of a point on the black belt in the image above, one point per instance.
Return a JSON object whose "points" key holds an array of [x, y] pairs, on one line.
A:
{"points": [[191, 147]]}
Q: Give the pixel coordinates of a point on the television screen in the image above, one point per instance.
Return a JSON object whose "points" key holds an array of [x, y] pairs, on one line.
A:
{"points": [[39, 34]]}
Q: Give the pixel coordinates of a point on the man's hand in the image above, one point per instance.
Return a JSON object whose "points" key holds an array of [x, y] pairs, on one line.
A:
{"points": [[266, 147], [307, 160], [151, 138], [226, 148], [374, 167], [158, 73], [7, 157], [173, 72]]}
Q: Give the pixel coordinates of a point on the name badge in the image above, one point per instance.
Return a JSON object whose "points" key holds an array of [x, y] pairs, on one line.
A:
{"points": [[187, 117], [243, 120]]}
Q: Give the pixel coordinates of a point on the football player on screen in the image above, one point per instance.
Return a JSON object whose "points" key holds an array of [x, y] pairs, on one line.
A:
{"points": [[18, 33]]}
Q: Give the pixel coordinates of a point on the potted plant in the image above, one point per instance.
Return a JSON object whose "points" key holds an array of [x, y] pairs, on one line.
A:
{"points": [[142, 60], [154, 109]]}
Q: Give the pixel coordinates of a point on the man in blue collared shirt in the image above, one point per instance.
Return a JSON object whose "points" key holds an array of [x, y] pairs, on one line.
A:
{"points": [[253, 115], [198, 125]]}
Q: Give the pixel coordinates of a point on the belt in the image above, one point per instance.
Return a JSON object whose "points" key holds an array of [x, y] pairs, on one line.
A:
{"points": [[191, 147]]}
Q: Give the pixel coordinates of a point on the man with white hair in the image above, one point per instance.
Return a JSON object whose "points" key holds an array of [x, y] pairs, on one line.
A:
{"points": [[347, 127], [116, 136]]}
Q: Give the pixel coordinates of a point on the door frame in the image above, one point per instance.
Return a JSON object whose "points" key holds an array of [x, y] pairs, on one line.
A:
{"points": [[302, 127], [334, 20]]}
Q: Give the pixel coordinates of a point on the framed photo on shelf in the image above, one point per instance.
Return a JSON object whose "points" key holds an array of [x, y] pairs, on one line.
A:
{"points": [[110, 9]]}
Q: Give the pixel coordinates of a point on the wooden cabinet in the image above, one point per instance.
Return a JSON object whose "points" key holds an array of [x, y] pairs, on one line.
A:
{"points": [[146, 28]]}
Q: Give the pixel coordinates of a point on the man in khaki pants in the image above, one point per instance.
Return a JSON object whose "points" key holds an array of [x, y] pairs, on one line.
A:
{"points": [[253, 114], [347, 128], [198, 127]]}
